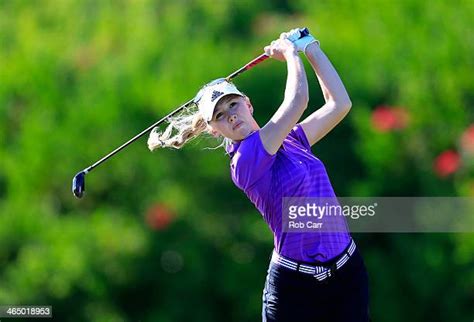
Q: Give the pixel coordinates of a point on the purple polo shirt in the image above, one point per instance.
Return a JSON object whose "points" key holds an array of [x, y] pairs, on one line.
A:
{"points": [[293, 171]]}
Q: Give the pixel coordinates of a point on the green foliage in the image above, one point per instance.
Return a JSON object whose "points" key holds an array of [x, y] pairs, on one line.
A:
{"points": [[78, 78]]}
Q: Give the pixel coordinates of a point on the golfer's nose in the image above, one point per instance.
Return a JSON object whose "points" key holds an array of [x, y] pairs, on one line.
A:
{"points": [[232, 118]]}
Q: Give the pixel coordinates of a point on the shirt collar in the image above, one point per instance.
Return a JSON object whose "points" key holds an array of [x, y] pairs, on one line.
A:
{"points": [[232, 148]]}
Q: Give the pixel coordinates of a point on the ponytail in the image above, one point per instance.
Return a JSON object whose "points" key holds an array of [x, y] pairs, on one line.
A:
{"points": [[181, 130]]}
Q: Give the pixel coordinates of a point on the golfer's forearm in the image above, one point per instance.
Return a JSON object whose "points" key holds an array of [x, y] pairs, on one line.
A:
{"points": [[296, 90], [290, 110], [330, 82]]}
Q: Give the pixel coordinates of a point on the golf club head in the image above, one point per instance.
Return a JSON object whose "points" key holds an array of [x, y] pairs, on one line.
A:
{"points": [[78, 184]]}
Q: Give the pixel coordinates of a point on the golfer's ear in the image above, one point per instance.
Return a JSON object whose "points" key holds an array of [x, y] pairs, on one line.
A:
{"points": [[249, 105], [212, 132]]}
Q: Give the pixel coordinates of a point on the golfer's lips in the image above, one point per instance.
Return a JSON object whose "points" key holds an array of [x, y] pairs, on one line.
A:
{"points": [[237, 124]]}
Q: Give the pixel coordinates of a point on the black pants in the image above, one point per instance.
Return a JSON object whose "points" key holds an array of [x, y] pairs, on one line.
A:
{"points": [[294, 296]]}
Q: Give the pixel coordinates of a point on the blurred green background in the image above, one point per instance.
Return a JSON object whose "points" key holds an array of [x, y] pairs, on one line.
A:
{"points": [[166, 236]]}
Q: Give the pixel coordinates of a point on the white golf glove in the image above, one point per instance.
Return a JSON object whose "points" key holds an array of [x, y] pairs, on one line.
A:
{"points": [[300, 43]]}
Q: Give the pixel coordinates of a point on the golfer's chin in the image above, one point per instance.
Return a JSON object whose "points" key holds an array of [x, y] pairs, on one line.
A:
{"points": [[241, 132]]}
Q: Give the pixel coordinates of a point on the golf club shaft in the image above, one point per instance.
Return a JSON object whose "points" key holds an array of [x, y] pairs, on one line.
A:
{"points": [[139, 135], [248, 66]]}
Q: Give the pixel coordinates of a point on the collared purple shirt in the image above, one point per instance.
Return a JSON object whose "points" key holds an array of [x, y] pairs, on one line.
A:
{"points": [[294, 171]]}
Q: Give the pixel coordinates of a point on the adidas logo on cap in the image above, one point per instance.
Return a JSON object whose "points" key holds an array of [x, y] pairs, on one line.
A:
{"points": [[215, 95]]}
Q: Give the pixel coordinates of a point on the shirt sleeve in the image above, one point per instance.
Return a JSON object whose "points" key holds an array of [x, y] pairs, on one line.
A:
{"points": [[299, 135], [251, 162]]}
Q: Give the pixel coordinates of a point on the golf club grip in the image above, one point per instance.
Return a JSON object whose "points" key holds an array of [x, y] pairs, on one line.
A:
{"points": [[256, 61], [248, 66]]}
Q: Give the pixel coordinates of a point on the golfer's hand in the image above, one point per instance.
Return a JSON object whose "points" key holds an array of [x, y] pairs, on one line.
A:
{"points": [[300, 43], [281, 49]]}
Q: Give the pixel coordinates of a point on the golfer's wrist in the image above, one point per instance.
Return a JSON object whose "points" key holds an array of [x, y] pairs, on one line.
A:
{"points": [[311, 47], [290, 54]]}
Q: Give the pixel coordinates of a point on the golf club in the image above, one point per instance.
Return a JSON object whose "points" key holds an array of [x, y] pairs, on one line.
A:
{"points": [[78, 183]]}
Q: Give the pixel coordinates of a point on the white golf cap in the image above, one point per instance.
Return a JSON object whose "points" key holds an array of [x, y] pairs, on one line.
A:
{"points": [[210, 94]]}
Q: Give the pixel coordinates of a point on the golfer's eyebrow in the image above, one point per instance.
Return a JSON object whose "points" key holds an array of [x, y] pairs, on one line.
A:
{"points": [[226, 99]]}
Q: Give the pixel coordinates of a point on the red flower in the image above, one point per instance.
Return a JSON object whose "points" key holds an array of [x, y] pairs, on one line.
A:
{"points": [[446, 163], [159, 217], [386, 118], [467, 140]]}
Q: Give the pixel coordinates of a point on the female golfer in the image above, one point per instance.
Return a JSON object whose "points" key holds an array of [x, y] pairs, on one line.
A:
{"points": [[313, 275]]}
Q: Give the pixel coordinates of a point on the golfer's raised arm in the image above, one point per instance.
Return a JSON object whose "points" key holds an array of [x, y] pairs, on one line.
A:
{"points": [[338, 103], [295, 100]]}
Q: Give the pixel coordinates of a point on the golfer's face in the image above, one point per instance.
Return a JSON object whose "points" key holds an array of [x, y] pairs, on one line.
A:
{"points": [[232, 118]]}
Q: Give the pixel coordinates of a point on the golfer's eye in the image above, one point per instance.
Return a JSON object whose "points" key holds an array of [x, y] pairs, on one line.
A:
{"points": [[218, 116], [232, 105]]}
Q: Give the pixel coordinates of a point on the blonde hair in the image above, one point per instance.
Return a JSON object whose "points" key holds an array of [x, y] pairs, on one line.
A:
{"points": [[181, 129], [184, 127]]}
